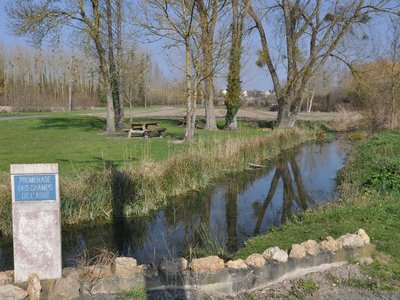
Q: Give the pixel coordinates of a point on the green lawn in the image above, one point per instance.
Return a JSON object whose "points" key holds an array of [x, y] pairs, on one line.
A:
{"points": [[369, 199], [78, 142]]}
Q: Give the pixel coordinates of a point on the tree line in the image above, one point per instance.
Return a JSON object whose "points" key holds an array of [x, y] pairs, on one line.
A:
{"points": [[40, 80], [297, 38]]}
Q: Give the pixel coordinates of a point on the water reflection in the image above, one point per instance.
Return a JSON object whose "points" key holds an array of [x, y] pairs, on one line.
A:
{"points": [[237, 207]]}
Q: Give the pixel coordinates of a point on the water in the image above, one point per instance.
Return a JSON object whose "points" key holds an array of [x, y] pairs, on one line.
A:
{"points": [[232, 210]]}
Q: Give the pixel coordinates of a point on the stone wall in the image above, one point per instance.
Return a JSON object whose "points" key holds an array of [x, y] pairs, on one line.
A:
{"points": [[202, 277]]}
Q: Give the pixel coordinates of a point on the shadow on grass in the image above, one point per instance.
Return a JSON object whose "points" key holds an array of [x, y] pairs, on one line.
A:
{"points": [[96, 162], [83, 123]]}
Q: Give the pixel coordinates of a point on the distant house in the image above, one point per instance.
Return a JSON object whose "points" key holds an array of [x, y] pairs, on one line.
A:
{"points": [[224, 92], [269, 93], [244, 94]]}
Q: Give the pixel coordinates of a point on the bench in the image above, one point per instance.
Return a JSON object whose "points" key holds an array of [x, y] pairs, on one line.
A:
{"points": [[143, 129]]}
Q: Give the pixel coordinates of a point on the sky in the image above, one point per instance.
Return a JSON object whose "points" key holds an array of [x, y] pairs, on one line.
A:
{"points": [[252, 76]]}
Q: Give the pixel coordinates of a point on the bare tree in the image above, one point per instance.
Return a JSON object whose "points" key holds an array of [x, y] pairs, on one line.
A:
{"points": [[208, 14], [311, 31], [47, 19], [174, 21]]}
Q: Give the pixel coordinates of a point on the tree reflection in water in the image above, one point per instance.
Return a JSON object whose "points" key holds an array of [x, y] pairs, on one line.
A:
{"points": [[235, 208]]}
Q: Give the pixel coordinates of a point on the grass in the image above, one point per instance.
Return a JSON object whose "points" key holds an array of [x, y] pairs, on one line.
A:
{"points": [[103, 177], [369, 186], [135, 293], [76, 142]]}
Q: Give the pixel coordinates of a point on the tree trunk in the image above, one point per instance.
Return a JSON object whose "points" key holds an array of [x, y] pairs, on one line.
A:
{"points": [[191, 105], [289, 106], [311, 102], [113, 76], [121, 111], [208, 20], [110, 108], [211, 124]]}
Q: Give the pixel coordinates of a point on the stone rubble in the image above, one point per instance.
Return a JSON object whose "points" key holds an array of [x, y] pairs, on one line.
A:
{"points": [[34, 287], [236, 264], [330, 244], [361, 232], [276, 254], [256, 260], [297, 252], [350, 241], [312, 247], [102, 279], [207, 264], [13, 292], [174, 266], [125, 266]]}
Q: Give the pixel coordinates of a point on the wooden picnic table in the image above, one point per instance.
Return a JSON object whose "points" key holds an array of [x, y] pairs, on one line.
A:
{"points": [[144, 128]]}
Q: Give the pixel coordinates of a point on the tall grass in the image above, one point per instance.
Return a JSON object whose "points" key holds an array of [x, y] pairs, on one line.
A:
{"points": [[139, 189]]}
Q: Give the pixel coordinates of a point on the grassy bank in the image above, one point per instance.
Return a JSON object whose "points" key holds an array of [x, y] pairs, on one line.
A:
{"points": [[369, 198], [130, 176]]}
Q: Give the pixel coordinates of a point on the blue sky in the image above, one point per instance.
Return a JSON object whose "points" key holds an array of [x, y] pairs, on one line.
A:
{"points": [[252, 76]]}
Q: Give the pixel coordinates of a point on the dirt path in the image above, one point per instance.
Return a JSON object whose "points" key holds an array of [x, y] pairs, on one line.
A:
{"points": [[344, 282], [248, 113]]}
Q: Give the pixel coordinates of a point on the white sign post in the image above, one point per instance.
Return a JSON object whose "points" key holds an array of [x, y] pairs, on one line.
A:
{"points": [[36, 221]]}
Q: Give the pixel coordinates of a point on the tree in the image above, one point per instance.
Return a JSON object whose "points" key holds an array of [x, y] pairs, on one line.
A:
{"points": [[47, 19], [374, 89], [234, 90], [311, 33], [208, 15], [174, 20]]}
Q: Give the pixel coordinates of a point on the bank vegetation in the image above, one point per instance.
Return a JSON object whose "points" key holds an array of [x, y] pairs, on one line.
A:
{"points": [[141, 188]]}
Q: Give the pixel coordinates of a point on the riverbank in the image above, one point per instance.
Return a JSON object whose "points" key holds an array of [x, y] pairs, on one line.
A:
{"points": [[165, 169], [369, 192]]}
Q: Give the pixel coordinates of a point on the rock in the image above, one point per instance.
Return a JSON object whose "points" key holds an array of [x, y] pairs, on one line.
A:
{"points": [[256, 260], [275, 253], [311, 246], [350, 241], [174, 266], [9, 291], [236, 264], [330, 244], [297, 251], [5, 279], [65, 289], [361, 232], [73, 273], [125, 266], [365, 260], [98, 271], [207, 264], [34, 287]]}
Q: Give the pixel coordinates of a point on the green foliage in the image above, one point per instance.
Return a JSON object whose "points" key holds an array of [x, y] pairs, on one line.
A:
{"points": [[385, 179], [308, 286], [135, 293]]}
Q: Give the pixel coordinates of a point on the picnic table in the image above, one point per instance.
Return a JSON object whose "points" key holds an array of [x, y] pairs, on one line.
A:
{"points": [[145, 128]]}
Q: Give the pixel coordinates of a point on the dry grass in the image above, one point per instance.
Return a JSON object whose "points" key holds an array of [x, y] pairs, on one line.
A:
{"points": [[347, 120]]}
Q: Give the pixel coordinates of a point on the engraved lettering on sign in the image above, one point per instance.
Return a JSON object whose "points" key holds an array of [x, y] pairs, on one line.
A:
{"points": [[35, 187]]}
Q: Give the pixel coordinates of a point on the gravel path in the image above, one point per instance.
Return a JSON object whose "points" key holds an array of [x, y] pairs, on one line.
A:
{"points": [[248, 113], [22, 117]]}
